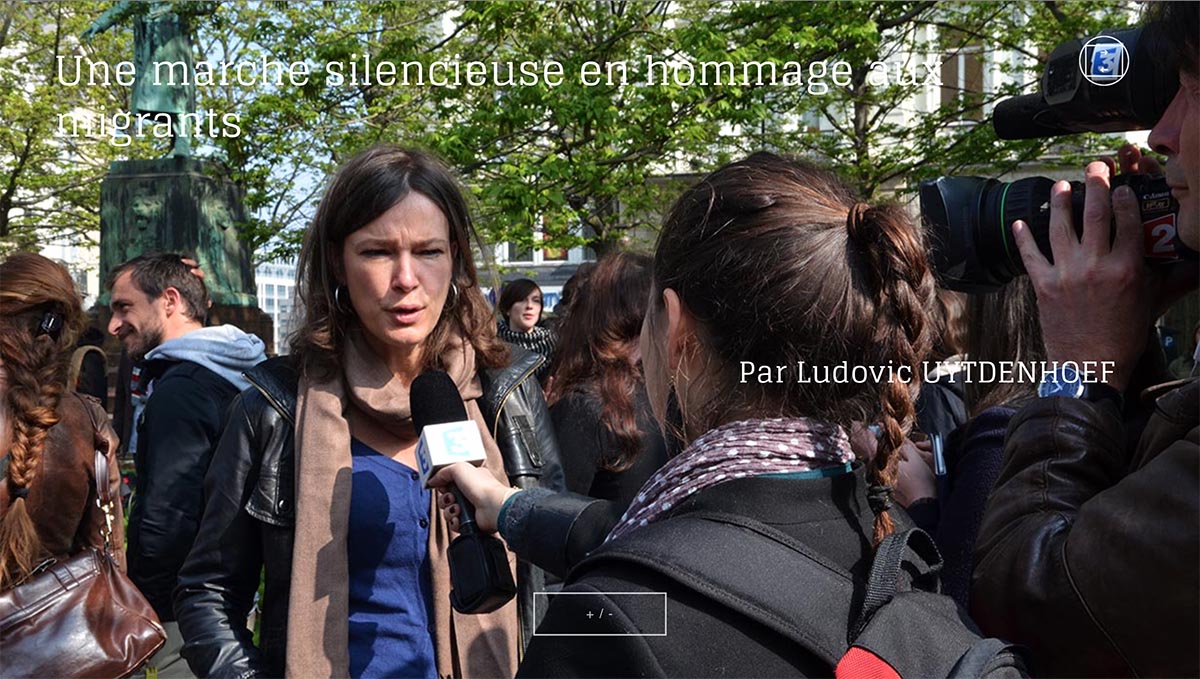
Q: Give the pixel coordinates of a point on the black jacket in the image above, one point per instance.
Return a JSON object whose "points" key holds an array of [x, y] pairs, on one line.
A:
{"points": [[590, 445], [704, 638], [249, 522], [177, 433], [515, 410]]}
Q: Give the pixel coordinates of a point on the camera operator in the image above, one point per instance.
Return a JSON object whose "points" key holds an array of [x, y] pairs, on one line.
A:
{"points": [[1088, 554]]}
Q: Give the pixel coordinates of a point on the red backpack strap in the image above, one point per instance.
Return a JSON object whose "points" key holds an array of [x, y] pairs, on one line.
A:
{"points": [[859, 663]]}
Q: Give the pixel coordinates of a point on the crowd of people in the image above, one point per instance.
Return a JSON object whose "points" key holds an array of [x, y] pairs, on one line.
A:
{"points": [[279, 525]]}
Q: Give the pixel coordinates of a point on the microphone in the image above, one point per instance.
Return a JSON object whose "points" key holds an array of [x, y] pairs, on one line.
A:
{"points": [[480, 578], [447, 435]]}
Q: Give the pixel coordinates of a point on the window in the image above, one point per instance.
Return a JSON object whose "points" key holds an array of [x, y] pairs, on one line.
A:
{"points": [[517, 253], [962, 76]]}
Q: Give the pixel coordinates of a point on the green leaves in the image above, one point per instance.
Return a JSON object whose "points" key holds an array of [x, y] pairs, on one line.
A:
{"points": [[580, 163]]}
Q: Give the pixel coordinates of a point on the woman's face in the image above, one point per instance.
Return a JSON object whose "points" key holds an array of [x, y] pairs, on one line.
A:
{"points": [[524, 314], [398, 270]]}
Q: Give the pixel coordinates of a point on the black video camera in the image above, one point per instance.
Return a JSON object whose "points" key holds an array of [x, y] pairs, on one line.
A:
{"points": [[1110, 83]]}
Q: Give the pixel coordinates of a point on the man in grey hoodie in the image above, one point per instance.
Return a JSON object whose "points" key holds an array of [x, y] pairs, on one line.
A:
{"points": [[192, 373]]}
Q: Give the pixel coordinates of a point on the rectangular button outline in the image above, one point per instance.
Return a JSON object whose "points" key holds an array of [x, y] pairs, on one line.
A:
{"points": [[632, 634]]}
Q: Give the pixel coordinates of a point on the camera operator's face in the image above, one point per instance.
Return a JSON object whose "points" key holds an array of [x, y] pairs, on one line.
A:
{"points": [[1177, 135]]}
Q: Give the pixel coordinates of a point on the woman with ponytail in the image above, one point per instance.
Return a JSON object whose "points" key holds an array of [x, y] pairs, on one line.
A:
{"points": [[48, 434], [782, 312]]}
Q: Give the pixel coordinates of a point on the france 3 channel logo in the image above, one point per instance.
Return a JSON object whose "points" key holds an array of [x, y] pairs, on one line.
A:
{"points": [[1103, 61]]}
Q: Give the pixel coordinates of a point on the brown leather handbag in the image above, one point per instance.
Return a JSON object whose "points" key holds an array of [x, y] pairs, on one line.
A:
{"points": [[79, 616]]}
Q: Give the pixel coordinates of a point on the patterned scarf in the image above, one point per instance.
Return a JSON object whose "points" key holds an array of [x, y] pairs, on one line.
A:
{"points": [[737, 450], [538, 340]]}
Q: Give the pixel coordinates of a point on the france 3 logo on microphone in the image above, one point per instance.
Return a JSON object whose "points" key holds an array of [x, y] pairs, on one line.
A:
{"points": [[1104, 61]]}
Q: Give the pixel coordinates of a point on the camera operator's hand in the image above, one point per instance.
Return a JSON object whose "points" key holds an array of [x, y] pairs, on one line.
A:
{"points": [[1134, 162], [1094, 301], [480, 488]]}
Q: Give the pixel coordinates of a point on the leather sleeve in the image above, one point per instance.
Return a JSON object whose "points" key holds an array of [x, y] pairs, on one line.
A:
{"points": [[221, 574], [104, 440], [554, 531], [182, 422], [545, 437], [108, 439], [1068, 556]]}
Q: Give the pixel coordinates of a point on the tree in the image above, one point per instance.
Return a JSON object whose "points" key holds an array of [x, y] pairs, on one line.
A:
{"points": [[869, 130], [49, 171], [565, 163], [293, 136]]}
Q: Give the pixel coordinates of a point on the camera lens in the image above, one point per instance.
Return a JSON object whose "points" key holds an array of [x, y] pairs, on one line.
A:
{"points": [[968, 221]]}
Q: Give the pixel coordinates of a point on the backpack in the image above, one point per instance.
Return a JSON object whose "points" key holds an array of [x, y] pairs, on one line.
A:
{"points": [[900, 625]]}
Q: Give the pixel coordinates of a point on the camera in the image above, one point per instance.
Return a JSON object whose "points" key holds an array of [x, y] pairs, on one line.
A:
{"points": [[1113, 82], [968, 221], [1109, 83]]}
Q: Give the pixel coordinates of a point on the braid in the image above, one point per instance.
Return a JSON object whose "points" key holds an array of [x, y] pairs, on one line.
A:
{"points": [[906, 294], [36, 385], [35, 366]]}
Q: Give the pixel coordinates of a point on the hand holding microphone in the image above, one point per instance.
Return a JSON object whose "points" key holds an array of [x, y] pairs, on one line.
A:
{"points": [[480, 489], [480, 576]]}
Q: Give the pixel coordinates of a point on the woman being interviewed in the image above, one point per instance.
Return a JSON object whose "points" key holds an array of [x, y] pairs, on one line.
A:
{"points": [[315, 478], [766, 263]]}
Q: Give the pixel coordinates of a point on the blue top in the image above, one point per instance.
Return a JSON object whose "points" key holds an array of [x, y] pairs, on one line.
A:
{"points": [[391, 591]]}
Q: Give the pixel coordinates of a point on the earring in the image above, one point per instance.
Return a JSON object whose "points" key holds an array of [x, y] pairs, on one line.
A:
{"points": [[452, 298], [341, 306]]}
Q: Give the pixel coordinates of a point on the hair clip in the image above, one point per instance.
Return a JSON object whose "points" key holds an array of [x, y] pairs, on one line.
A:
{"points": [[51, 325]]}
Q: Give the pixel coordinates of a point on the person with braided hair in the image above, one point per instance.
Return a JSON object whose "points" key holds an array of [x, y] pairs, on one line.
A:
{"points": [[767, 262], [48, 435]]}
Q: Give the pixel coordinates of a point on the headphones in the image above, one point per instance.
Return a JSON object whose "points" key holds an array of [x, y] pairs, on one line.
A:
{"points": [[52, 324]]}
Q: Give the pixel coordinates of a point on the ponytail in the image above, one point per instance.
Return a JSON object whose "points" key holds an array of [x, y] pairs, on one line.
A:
{"points": [[899, 272]]}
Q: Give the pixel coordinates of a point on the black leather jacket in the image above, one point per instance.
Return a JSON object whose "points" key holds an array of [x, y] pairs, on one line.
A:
{"points": [[177, 431], [515, 409], [250, 516]]}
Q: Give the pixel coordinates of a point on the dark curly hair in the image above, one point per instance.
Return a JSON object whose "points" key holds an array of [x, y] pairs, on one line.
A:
{"points": [[597, 343]]}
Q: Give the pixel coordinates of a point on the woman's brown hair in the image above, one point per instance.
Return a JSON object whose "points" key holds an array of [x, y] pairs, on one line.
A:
{"points": [[40, 318], [780, 264], [367, 186], [1013, 308], [598, 343]]}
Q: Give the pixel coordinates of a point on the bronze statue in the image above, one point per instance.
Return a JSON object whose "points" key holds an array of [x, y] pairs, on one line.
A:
{"points": [[164, 83]]}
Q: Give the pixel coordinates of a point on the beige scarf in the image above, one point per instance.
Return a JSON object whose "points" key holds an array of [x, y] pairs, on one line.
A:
{"points": [[318, 615]]}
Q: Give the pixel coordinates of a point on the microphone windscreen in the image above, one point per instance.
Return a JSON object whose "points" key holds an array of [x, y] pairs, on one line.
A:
{"points": [[434, 399]]}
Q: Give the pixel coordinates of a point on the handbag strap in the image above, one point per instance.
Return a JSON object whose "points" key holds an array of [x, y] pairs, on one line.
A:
{"points": [[104, 500]]}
